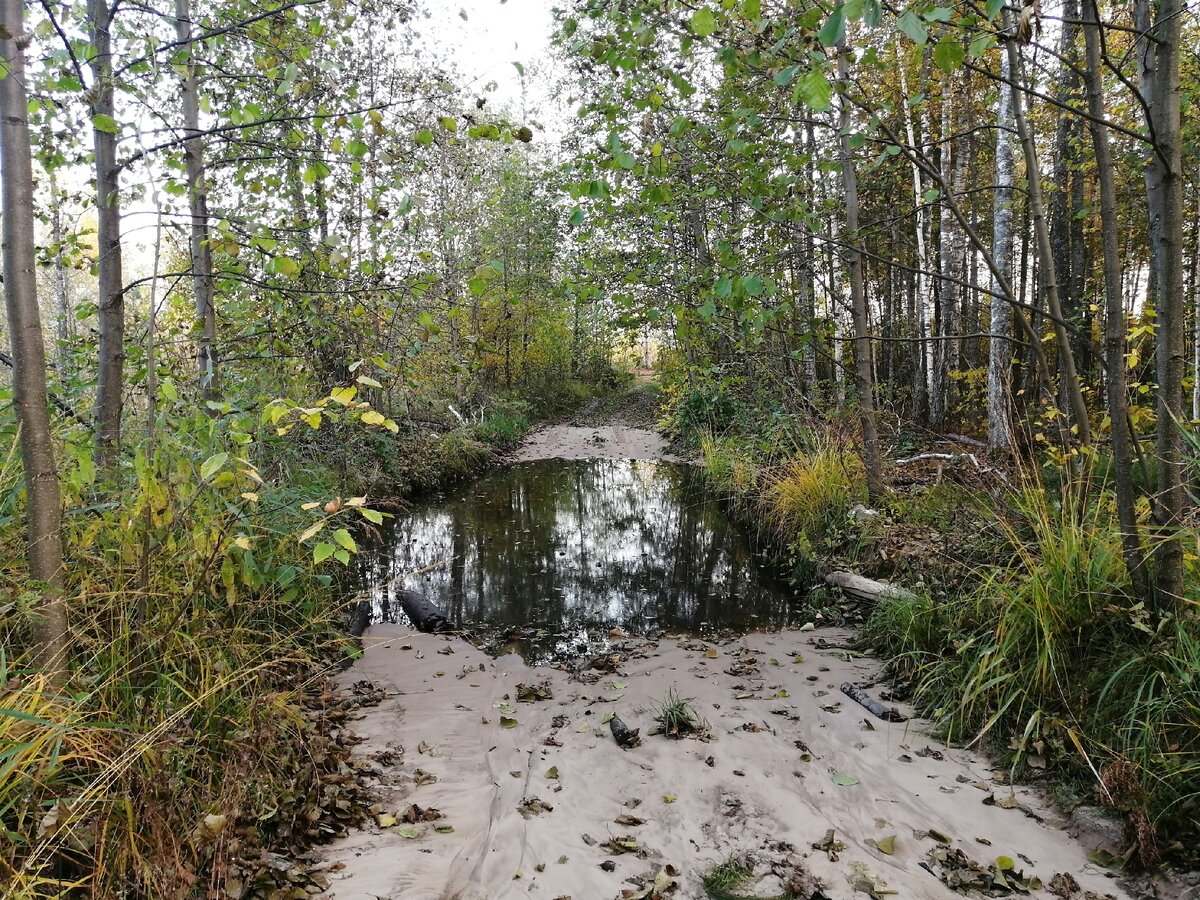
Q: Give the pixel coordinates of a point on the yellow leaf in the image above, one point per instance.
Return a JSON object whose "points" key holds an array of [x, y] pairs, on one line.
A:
{"points": [[251, 496], [312, 530], [243, 542], [372, 417]]}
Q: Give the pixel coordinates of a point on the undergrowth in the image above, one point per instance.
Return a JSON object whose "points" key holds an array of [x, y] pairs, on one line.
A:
{"points": [[1049, 657]]}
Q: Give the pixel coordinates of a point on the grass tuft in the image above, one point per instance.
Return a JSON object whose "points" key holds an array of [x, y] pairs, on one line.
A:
{"points": [[677, 716]]}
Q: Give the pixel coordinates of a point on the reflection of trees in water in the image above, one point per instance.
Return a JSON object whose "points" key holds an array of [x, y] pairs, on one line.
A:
{"points": [[563, 543]]}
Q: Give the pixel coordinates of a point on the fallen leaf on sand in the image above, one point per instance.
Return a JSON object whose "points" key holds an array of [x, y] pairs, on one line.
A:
{"points": [[1004, 801], [883, 845], [631, 821], [386, 820], [844, 780], [415, 814], [552, 773], [625, 843], [711, 653], [669, 798], [829, 844], [506, 722], [409, 831], [533, 807]]}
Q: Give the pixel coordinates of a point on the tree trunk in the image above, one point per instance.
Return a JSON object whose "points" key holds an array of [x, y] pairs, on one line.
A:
{"points": [[43, 502], [62, 284], [1196, 312], [1114, 328], [864, 373], [999, 347], [1058, 212], [1042, 233], [111, 315], [202, 277], [1158, 45], [922, 371]]}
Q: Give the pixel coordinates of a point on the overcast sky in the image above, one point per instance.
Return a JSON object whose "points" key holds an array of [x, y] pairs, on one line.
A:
{"points": [[490, 39]]}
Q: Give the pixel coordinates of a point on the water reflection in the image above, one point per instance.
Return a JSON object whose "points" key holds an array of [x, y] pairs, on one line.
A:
{"points": [[575, 546]]}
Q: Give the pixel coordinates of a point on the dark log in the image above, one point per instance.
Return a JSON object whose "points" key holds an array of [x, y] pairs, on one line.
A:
{"points": [[360, 618], [424, 613], [625, 736], [858, 695]]}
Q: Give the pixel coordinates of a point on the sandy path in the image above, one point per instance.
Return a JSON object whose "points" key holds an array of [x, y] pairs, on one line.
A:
{"points": [[759, 796], [748, 790], [594, 442]]}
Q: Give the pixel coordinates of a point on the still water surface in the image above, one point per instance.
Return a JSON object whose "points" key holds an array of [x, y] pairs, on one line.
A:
{"points": [[557, 552]]}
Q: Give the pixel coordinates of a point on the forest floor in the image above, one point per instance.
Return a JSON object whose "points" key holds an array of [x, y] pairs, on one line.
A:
{"points": [[791, 788]]}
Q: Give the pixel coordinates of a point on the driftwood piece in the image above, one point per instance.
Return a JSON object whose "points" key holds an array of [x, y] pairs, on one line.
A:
{"points": [[858, 695], [425, 614], [360, 618], [625, 736], [866, 588]]}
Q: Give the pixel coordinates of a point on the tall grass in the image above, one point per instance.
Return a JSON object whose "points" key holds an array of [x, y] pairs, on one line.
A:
{"points": [[1051, 651], [811, 494]]}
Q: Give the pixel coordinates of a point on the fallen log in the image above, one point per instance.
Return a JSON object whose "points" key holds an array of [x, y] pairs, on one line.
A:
{"points": [[861, 697], [867, 588], [360, 618], [425, 614]]}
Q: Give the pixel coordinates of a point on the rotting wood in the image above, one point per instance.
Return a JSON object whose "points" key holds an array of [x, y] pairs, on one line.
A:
{"points": [[866, 588], [625, 736], [360, 618], [861, 697], [425, 614]]}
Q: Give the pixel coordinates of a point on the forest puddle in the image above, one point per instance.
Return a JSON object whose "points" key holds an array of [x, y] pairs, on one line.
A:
{"points": [[545, 558]]}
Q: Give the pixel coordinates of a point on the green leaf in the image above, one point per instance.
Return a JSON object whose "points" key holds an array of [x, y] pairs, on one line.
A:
{"points": [[784, 76], [939, 14], [322, 552], [507, 722], [752, 9], [752, 285], [814, 90], [167, 389], [993, 8], [703, 22], [911, 26], [372, 515], [707, 309], [833, 32], [342, 556], [424, 137], [212, 465], [948, 54], [723, 288], [520, 68], [104, 123], [845, 780], [577, 218], [342, 536]]}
